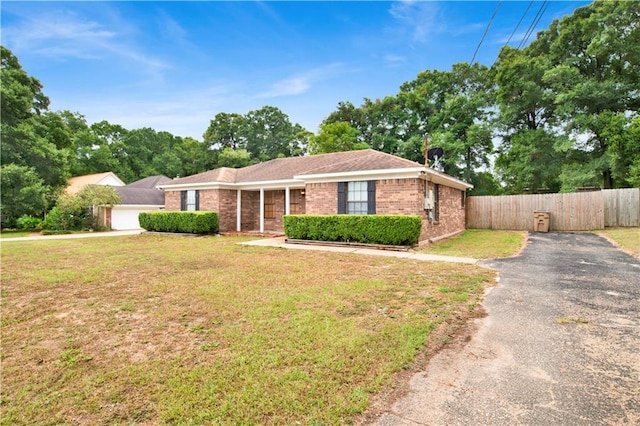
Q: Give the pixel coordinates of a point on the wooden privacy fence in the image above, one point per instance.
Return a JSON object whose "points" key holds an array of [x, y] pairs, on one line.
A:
{"points": [[621, 207], [579, 211]]}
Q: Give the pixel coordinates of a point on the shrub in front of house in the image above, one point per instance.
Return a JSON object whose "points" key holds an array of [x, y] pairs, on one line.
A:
{"points": [[185, 222], [369, 229], [29, 223]]}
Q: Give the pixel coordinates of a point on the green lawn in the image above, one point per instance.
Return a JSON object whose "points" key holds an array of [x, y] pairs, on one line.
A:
{"points": [[480, 244], [14, 234], [157, 329], [627, 238]]}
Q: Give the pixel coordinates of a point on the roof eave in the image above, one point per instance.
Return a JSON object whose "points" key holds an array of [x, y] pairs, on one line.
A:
{"points": [[197, 185], [402, 173], [271, 184], [444, 179]]}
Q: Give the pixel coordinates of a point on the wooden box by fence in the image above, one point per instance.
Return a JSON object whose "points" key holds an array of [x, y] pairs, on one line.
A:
{"points": [[580, 211]]}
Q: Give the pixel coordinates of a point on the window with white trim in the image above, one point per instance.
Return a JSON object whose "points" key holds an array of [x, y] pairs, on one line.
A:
{"points": [[357, 197], [189, 200]]}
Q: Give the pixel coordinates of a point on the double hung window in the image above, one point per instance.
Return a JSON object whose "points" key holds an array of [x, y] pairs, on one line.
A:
{"points": [[190, 200], [357, 197]]}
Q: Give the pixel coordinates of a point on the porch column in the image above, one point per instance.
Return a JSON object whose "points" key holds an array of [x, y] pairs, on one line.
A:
{"points": [[261, 210], [287, 200], [239, 210]]}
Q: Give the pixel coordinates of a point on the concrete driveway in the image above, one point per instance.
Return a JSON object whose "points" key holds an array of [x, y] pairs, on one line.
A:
{"points": [[560, 344]]}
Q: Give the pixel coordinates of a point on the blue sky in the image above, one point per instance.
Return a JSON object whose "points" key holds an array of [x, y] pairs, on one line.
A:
{"points": [[174, 65]]}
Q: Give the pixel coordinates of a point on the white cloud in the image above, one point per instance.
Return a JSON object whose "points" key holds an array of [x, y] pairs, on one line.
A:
{"points": [[394, 61], [287, 87], [421, 18], [62, 34], [303, 82]]}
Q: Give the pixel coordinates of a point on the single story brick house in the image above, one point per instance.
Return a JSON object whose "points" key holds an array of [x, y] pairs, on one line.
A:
{"points": [[255, 198]]}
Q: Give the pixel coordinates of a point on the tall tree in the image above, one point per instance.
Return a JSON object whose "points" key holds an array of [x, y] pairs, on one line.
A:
{"points": [[594, 56], [335, 137], [453, 107], [531, 152], [30, 138], [269, 133]]}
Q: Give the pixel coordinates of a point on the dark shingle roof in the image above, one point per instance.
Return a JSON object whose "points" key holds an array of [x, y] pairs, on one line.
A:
{"points": [[287, 168], [143, 191], [144, 196], [149, 182]]}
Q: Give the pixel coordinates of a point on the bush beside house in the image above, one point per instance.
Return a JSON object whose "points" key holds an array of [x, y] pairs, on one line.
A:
{"points": [[368, 229], [200, 222]]}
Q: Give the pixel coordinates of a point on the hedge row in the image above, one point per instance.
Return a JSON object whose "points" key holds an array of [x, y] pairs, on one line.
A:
{"points": [[369, 229], [187, 222]]}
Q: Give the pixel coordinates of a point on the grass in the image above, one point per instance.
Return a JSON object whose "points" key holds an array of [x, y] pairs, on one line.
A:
{"points": [[14, 234], [156, 329], [479, 244], [627, 238], [571, 320]]}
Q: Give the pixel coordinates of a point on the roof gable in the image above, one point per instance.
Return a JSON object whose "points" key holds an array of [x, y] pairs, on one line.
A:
{"points": [[78, 182]]}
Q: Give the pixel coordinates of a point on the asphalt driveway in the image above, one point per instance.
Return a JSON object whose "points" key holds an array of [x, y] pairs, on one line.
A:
{"points": [[560, 344]]}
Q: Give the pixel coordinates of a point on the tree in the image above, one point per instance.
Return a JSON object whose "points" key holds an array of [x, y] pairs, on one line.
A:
{"points": [[226, 131], [335, 137], [193, 161], [453, 107], [78, 212], [23, 191], [531, 153], [235, 158], [531, 162], [31, 138], [624, 155], [268, 133], [594, 56]]}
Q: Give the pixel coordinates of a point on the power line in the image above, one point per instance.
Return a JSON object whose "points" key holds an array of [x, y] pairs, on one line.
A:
{"points": [[486, 30], [464, 75], [519, 22], [536, 19]]}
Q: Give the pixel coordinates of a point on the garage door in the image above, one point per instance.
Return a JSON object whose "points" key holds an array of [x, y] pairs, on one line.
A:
{"points": [[126, 218]]}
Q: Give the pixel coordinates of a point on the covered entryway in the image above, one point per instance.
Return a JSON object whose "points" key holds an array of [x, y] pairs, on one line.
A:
{"points": [[262, 210]]}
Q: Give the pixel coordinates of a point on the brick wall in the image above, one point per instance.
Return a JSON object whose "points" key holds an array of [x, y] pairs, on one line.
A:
{"points": [[222, 201], [208, 200], [227, 209], [172, 200], [400, 196], [451, 215], [393, 196], [250, 218], [321, 198]]}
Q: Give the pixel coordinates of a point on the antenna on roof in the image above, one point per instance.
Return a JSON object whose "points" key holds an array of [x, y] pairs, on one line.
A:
{"points": [[435, 155]]}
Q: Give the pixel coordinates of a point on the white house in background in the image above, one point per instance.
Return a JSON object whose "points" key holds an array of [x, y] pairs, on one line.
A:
{"points": [[79, 182], [135, 198]]}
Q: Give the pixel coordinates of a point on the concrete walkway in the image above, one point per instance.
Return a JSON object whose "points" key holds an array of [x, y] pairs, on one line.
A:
{"points": [[74, 236], [281, 243]]}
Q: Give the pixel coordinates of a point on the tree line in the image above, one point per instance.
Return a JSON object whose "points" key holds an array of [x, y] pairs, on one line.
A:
{"points": [[557, 115]]}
